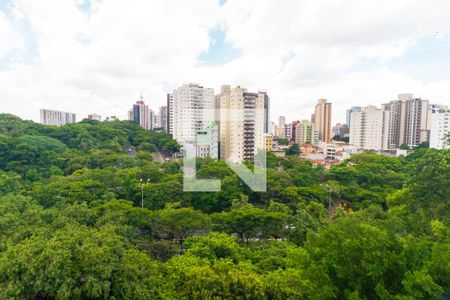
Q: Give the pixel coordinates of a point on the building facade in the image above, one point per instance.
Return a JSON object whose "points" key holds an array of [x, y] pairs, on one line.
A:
{"points": [[140, 114], [56, 118], [305, 133], [440, 129], [169, 117], [207, 142], [266, 111], [369, 128], [409, 121], [349, 112], [163, 118], [322, 120], [192, 110], [241, 123], [268, 142]]}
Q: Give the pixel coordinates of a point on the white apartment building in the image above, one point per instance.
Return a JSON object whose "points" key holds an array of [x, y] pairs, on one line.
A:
{"points": [[369, 128], [56, 118], [192, 110], [242, 120], [440, 129]]}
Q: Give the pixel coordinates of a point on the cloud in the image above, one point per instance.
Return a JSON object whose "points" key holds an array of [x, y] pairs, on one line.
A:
{"points": [[96, 56]]}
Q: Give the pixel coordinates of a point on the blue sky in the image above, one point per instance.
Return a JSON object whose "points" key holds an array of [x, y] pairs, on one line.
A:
{"points": [[220, 51]]}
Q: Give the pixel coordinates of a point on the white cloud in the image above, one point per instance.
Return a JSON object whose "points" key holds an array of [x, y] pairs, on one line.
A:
{"points": [[99, 60]]}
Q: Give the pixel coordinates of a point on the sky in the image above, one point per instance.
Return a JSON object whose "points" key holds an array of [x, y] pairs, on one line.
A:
{"points": [[96, 56]]}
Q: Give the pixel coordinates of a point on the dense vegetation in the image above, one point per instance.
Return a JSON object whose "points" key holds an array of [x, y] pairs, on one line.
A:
{"points": [[71, 225]]}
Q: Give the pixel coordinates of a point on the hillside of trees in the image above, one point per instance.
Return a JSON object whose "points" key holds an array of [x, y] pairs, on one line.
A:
{"points": [[72, 226]]}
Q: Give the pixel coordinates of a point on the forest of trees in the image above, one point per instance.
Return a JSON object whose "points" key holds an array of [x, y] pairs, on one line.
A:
{"points": [[72, 226]]}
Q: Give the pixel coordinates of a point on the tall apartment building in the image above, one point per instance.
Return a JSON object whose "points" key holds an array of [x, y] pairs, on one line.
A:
{"points": [[163, 118], [169, 117], [409, 121], [369, 128], [266, 111], [305, 133], [287, 131], [293, 128], [192, 110], [273, 129], [349, 112], [322, 120], [241, 123], [141, 114], [440, 129], [281, 123], [56, 118]]}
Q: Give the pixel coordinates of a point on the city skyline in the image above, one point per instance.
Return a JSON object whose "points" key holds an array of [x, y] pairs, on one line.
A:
{"points": [[97, 56], [307, 114]]}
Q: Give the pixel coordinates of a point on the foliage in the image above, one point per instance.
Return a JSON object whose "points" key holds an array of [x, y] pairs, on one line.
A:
{"points": [[72, 226]]}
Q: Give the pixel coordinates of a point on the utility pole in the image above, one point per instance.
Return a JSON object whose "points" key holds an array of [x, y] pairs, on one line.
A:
{"points": [[330, 190]]}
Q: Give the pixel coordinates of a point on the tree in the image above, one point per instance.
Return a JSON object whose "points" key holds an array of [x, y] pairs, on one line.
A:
{"points": [[282, 141], [293, 150], [249, 223], [405, 147], [360, 259], [178, 224]]}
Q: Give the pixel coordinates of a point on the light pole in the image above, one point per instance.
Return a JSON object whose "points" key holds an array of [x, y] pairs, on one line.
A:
{"points": [[329, 190], [142, 190]]}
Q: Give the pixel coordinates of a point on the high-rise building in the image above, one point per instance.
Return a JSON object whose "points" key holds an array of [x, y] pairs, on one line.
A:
{"points": [[293, 128], [241, 123], [169, 117], [193, 110], [287, 131], [440, 128], [408, 122], [336, 130], [140, 114], [305, 133], [281, 121], [56, 118], [163, 118], [153, 120], [273, 129], [281, 124], [266, 111], [322, 120], [369, 128], [349, 112]]}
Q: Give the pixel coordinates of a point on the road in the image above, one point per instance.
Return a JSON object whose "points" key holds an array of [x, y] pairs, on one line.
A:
{"points": [[157, 157]]}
